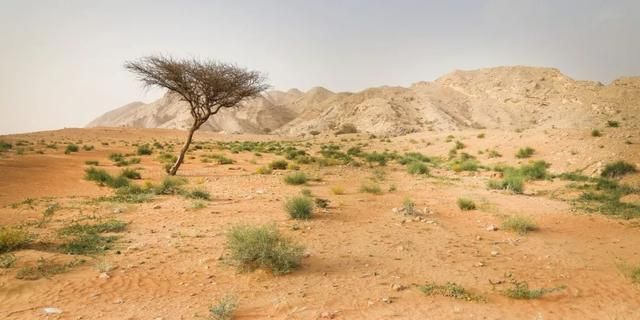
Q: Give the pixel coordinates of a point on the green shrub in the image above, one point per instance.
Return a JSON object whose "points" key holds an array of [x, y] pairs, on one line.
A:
{"points": [[199, 194], [450, 289], [45, 269], [92, 162], [596, 133], [370, 188], [521, 290], [466, 204], [144, 150], [525, 152], [224, 308], [13, 238], [131, 174], [296, 178], [264, 170], [263, 247], [71, 148], [170, 185], [618, 169], [519, 224], [278, 165], [87, 239], [534, 171], [7, 260], [612, 124], [4, 146], [299, 207], [408, 207], [417, 167]]}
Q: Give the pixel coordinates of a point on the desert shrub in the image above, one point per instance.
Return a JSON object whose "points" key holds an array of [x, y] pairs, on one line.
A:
{"points": [[408, 207], [618, 169], [13, 238], [87, 239], [494, 154], [613, 123], [370, 187], [322, 203], [417, 167], [375, 157], [466, 204], [7, 260], [278, 165], [92, 162], [573, 176], [521, 290], [71, 148], [87, 147], [170, 185], [525, 152], [224, 308], [510, 182], [199, 194], [45, 269], [5, 146], [450, 289], [131, 174], [296, 178], [534, 171], [465, 165], [459, 145], [337, 190], [299, 207], [98, 175], [263, 246], [347, 128], [519, 224], [481, 136], [144, 150], [596, 133], [264, 170], [410, 157]]}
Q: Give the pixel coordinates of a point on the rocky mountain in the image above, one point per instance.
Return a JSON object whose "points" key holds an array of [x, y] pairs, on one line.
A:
{"points": [[507, 98]]}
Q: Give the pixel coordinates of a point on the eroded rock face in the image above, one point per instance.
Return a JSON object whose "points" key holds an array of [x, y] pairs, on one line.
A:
{"points": [[503, 97]]}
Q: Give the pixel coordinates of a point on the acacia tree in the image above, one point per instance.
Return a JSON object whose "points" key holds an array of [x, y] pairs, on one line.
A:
{"points": [[207, 86]]}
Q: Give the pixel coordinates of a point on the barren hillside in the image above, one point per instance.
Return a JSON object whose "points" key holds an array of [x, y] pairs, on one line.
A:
{"points": [[498, 98]]}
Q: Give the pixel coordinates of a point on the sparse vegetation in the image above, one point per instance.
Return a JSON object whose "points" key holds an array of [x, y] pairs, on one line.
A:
{"points": [[224, 308], [45, 268], [263, 246], [450, 289], [7, 260], [144, 150], [618, 169], [278, 165], [466, 204], [370, 187], [13, 238], [88, 239], [521, 290], [296, 178], [417, 167], [337, 190], [299, 207], [613, 124], [131, 174], [525, 152], [521, 225], [596, 133], [92, 162], [71, 148]]}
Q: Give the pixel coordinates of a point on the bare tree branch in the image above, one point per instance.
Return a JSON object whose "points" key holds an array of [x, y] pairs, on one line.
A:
{"points": [[207, 86]]}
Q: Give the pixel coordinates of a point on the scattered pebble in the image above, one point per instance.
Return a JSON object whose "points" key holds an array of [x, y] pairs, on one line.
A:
{"points": [[51, 310]]}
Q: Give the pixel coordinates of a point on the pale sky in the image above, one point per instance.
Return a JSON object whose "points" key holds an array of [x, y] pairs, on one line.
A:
{"points": [[61, 61]]}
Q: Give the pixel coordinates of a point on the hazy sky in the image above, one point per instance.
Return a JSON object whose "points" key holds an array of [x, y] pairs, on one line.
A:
{"points": [[61, 61]]}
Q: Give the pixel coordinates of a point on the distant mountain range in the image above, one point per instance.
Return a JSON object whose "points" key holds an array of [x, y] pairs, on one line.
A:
{"points": [[508, 98]]}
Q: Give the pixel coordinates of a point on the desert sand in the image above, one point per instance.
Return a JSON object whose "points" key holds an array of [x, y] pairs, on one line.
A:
{"points": [[364, 259]]}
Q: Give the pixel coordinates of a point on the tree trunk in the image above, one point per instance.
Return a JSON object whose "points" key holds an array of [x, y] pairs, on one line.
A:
{"points": [[175, 167]]}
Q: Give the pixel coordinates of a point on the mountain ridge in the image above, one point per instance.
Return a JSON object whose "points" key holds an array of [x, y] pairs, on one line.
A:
{"points": [[506, 97]]}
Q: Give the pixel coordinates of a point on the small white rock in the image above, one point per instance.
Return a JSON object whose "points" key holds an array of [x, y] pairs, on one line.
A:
{"points": [[51, 310]]}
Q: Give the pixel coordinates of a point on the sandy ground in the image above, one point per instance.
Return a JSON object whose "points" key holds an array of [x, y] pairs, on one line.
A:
{"points": [[170, 263]]}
